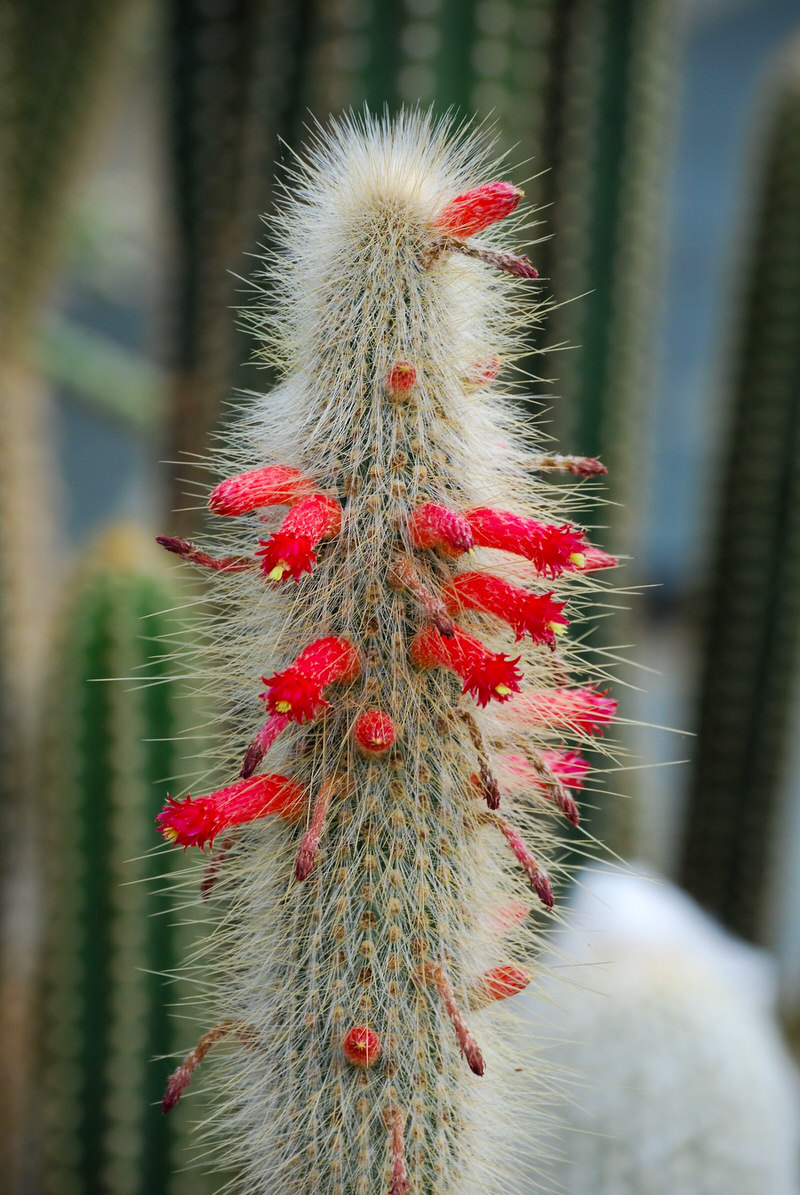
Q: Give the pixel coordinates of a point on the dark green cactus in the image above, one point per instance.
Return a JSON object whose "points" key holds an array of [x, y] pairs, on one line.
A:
{"points": [[750, 658], [110, 940]]}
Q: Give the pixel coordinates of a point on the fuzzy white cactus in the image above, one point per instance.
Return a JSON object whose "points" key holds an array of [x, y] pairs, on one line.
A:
{"points": [[374, 905]]}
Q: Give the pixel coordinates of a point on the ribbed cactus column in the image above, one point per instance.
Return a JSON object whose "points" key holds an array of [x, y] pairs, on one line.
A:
{"points": [[375, 904], [111, 942], [752, 641]]}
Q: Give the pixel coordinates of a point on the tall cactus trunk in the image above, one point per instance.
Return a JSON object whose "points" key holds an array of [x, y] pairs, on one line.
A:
{"points": [[374, 905]]}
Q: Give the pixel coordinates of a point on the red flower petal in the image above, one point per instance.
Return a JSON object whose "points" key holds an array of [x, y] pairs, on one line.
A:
{"points": [[550, 548], [274, 485], [290, 551], [297, 690], [487, 675], [584, 710], [536, 614], [361, 1046], [197, 821], [501, 982], [374, 732], [478, 209]]}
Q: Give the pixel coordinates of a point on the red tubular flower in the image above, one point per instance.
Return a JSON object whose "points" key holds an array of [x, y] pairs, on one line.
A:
{"points": [[488, 676], [297, 691], [501, 982], [435, 526], [507, 917], [596, 558], [478, 209], [584, 710], [361, 1046], [568, 766], [401, 378], [197, 822], [535, 614], [290, 551], [374, 732], [274, 485], [482, 372], [550, 548]]}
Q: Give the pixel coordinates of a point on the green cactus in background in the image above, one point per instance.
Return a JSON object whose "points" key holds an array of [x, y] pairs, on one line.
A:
{"points": [[750, 660], [110, 941]]}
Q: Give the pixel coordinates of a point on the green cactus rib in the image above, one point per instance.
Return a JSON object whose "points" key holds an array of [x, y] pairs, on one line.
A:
{"points": [[752, 641], [110, 745]]}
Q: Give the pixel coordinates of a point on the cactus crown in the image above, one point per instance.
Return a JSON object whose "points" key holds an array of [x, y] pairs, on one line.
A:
{"points": [[375, 906]]}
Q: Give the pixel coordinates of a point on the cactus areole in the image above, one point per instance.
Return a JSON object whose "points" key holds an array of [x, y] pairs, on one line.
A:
{"points": [[364, 847]]}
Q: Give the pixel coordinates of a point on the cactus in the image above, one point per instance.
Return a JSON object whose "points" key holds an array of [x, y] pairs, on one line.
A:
{"points": [[752, 639], [680, 1079], [109, 943], [381, 865]]}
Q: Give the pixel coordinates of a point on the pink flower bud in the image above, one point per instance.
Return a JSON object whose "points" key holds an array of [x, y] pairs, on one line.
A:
{"points": [[374, 732], [478, 209]]}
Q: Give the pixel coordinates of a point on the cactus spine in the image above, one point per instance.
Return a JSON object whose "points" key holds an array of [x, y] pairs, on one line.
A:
{"points": [[374, 904]]}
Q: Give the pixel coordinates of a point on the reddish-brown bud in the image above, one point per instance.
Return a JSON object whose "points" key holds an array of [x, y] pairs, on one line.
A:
{"points": [[537, 877], [194, 555], [361, 1046], [435, 526], [261, 744], [274, 485], [489, 676], [400, 379], [478, 209], [374, 732], [469, 1047], [309, 844]]}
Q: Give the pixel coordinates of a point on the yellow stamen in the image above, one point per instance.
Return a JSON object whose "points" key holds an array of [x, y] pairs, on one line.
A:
{"points": [[277, 572], [170, 833], [578, 559], [283, 707], [502, 690], [558, 628]]}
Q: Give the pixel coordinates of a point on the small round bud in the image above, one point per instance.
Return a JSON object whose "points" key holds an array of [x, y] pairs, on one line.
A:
{"points": [[400, 379], [361, 1046], [374, 732]]}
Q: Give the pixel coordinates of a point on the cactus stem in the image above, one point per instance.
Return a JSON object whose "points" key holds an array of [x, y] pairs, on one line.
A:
{"points": [[435, 976]]}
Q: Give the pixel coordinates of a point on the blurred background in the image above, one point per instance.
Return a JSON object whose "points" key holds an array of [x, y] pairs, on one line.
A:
{"points": [[139, 141]]}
